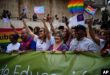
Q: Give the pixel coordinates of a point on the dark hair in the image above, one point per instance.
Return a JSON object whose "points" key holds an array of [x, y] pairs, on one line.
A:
{"points": [[14, 36], [36, 30], [80, 27], [44, 40], [61, 27]]}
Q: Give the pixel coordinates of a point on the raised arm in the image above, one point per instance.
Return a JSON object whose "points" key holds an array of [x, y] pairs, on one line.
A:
{"points": [[52, 28], [28, 30], [47, 30], [13, 28], [91, 32]]}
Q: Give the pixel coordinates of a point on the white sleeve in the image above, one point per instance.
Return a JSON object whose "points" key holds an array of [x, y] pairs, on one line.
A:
{"points": [[35, 38], [71, 43], [18, 46], [8, 48], [92, 47], [52, 40]]}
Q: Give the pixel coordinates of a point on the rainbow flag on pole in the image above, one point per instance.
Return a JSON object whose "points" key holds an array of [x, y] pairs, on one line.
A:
{"points": [[76, 6], [90, 10]]}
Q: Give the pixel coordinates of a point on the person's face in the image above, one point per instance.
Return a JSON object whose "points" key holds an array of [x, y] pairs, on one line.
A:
{"points": [[57, 38], [103, 36], [12, 40], [79, 34], [64, 32], [108, 36], [73, 32], [24, 35], [23, 32], [41, 33]]}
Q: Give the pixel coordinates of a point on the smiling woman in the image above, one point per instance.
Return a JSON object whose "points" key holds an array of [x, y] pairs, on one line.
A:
{"points": [[59, 45], [43, 39]]}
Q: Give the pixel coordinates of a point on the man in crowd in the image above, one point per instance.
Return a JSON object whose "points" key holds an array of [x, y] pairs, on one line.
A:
{"points": [[14, 45], [81, 42]]}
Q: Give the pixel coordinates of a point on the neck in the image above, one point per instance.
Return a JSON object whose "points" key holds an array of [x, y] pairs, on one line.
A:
{"points": [[58, 43], [14, 42], [80, 38], [42, 38]]}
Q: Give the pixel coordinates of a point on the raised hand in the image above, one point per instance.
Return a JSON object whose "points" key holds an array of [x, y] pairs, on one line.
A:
{"points": [[90, 21]]}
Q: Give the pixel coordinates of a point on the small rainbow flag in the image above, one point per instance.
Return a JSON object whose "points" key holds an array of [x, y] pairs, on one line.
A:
{"points": [[76, 6], [90, 10]]}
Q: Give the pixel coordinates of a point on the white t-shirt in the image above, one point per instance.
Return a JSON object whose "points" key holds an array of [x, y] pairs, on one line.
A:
{"points": [[41, 45], [100, 47], [11, 47], [85, 44]]}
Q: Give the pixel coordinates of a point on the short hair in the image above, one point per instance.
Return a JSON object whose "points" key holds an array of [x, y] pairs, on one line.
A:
{"points": [[14, 36], [61, 27], [80, 27]]}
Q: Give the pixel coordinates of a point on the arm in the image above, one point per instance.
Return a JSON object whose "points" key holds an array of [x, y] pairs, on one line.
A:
{"points": [[52, 28], [47, 31], [28, 30], [13, 28], [69, 29], [91, 32]]}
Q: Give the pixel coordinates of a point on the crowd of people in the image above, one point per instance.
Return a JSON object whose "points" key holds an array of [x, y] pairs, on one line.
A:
{"points": [[60, 39]]}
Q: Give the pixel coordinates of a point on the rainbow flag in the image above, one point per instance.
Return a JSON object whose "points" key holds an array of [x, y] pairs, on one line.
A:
{"points": [[76, 6], [90, 10]]}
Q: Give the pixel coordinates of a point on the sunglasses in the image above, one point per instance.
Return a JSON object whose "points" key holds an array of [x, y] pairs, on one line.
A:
{"points": [[41, 31]]}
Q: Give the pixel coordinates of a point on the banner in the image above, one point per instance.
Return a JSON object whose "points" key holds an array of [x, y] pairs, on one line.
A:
{"points": [[48, 63], [5, 32]]}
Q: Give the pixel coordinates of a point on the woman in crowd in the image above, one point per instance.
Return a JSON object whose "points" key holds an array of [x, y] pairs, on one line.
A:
{"points": [[59, 45], [43, 40], [68, 34]]}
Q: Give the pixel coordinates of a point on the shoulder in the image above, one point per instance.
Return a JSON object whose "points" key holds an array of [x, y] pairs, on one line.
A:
{"points": [[36, 37], [73, 40], [18, 43], [10, 44], [88, 40], [64, 46]]}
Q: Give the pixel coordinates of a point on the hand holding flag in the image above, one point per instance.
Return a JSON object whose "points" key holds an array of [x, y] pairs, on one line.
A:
{"points": [[90, 10]]}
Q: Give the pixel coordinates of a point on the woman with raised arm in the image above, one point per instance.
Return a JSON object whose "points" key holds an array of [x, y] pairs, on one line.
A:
{"points": [[43, 40], [104, 44], [58, 41], [68, 34]]}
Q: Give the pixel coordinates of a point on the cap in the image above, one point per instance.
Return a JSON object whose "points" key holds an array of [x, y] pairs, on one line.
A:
{"points": [[80, 27]]}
